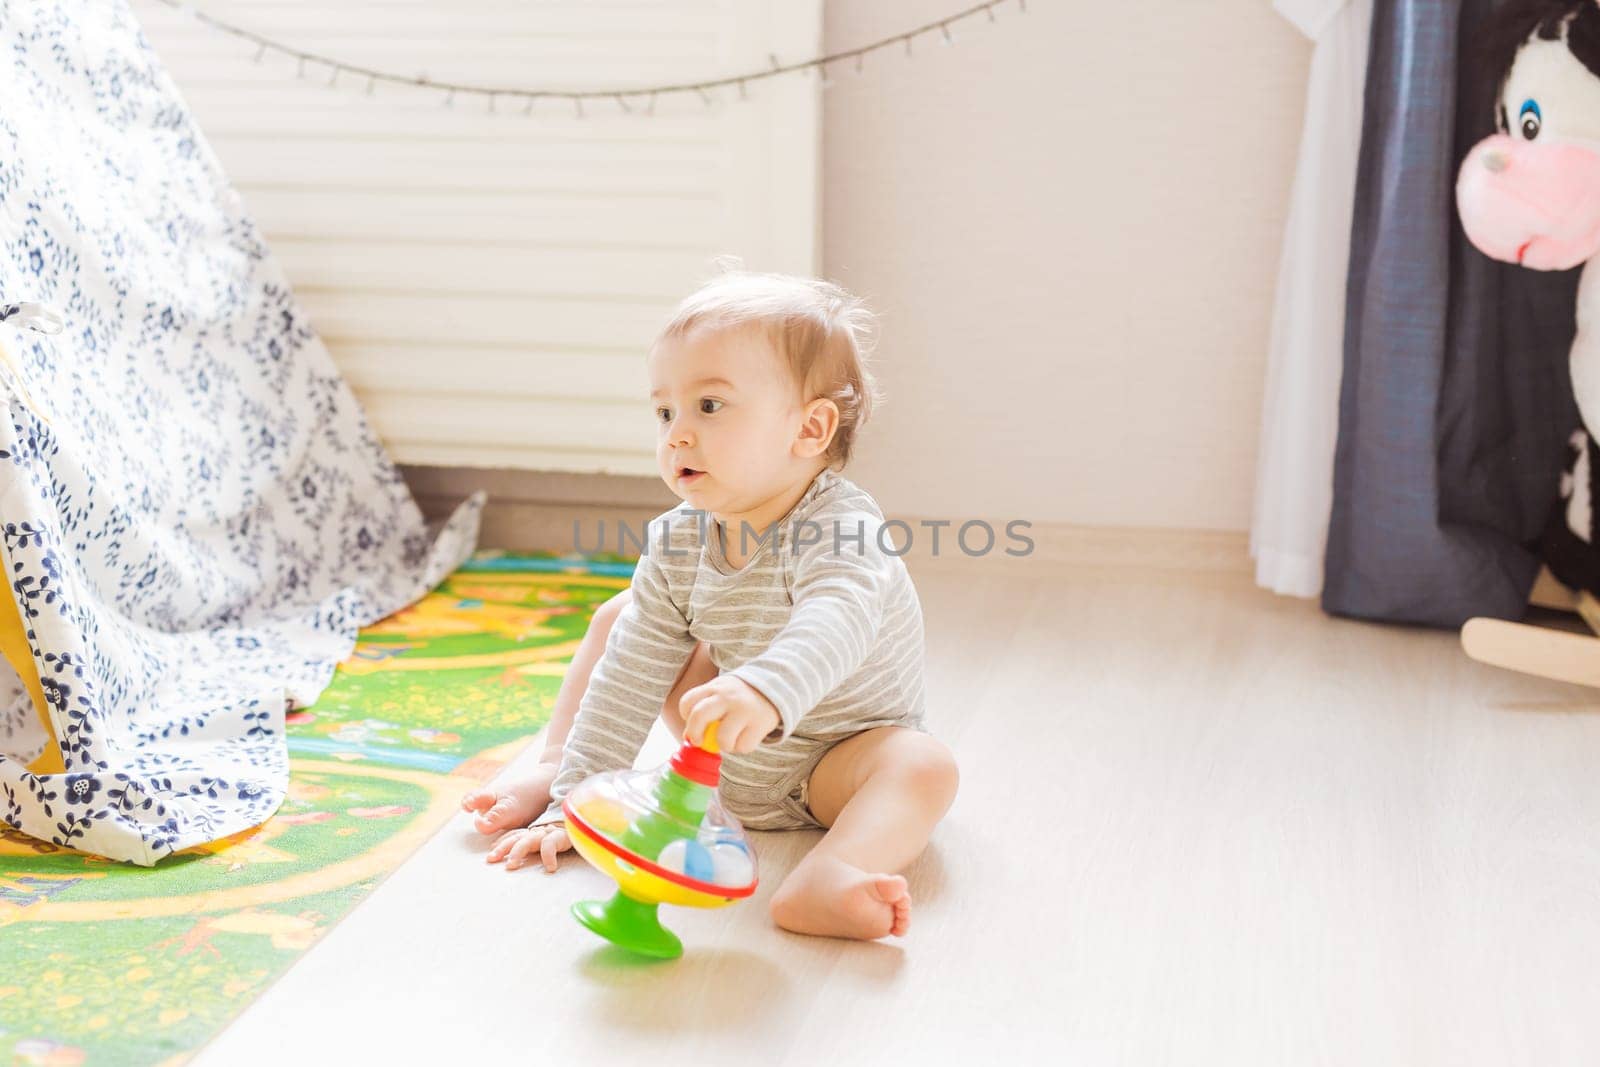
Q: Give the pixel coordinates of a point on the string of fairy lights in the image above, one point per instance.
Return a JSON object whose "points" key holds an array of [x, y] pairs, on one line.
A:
{"points": [[632, 100]]}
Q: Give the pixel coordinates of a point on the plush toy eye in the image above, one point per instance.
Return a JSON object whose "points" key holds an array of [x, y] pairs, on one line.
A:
{"points": [[1530, 120]]}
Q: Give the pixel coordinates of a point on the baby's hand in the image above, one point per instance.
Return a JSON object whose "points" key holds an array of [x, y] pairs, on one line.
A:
{"points": [[515, 803], [746, 716], [515, 846]]}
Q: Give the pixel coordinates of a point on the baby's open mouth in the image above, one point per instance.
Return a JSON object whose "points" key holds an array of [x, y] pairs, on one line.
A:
{"points": [[688, 472]]}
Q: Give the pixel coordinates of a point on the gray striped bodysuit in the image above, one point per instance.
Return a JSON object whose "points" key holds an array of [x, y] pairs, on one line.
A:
{"points": [[822, 620]]}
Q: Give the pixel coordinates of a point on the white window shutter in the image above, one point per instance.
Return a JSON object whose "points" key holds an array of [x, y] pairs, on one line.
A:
{"points": [[489, 282]]}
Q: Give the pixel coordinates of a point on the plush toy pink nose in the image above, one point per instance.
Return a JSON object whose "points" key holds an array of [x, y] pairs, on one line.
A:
{"points": [[1532, 202]]}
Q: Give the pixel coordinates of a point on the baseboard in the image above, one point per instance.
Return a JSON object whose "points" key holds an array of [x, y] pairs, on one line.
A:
{"points": [[543, 511], [557, 512]]}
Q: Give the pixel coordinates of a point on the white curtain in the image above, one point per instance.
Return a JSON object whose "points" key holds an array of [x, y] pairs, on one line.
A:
{"points": [[1300, 413]]}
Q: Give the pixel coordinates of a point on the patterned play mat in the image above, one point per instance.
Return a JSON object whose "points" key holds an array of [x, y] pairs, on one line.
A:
{"points": [[102, 963]]}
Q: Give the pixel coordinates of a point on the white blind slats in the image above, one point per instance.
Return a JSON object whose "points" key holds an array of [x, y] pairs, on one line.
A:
{"points": [[645, 275], [489, 283], [349, 313], [576, 375], [577, 221]]}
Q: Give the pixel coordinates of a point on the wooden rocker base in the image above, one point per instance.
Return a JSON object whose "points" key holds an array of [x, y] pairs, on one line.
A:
{"points": [[1539, 650]]}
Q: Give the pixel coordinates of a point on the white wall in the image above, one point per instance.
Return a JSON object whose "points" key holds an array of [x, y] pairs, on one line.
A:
{"points": [[1070, 224]]}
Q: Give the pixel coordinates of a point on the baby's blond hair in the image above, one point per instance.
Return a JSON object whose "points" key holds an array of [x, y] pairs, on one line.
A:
{"points": [[822, 333]]}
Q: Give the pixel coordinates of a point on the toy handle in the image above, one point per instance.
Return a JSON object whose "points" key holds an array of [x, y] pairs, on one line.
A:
{"points": [[700, 763]]}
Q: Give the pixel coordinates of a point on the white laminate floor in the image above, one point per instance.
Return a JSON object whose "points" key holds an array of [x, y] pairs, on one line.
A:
{"points": [[1197, 824]]}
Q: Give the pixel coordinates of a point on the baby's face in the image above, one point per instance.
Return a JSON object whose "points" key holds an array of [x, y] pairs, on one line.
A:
{"points": [[727, 417]]}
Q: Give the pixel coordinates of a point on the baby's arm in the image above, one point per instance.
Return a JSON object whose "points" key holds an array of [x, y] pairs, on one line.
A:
{"points": [[647, 649], [513, 801], [838, 610]]}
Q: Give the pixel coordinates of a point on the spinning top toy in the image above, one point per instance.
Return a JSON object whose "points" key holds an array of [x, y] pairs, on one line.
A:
{"points": [[664, 838]]}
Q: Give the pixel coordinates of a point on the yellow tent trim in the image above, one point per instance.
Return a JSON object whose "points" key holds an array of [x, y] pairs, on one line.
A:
{"points": [[14, 647]]}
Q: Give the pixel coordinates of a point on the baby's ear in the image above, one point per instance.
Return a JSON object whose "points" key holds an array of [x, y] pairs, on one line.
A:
{"points": [[817, 428]]}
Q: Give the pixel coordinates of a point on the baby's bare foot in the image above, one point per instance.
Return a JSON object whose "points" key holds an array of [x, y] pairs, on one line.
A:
{"points": [[830, 898], [503, 806]]}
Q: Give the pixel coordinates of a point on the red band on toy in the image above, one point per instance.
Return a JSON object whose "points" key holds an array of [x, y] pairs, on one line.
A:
{"points": [[698, 765], [643, 864]]}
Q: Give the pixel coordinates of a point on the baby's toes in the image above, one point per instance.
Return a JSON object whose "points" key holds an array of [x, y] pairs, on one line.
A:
{"points": [[902, 916], [890, 888], [501, 816], [477, 800], [893, 890]]}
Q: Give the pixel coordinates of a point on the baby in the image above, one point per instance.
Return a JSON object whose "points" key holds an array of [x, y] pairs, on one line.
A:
{"points": [[765, 603]]}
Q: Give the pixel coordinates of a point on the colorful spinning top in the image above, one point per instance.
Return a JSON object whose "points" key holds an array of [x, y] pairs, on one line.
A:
{"points": [[664, 838]]}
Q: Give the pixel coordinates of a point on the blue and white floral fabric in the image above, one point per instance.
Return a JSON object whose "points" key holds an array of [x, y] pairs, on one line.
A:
{"points": [[196, 516]]}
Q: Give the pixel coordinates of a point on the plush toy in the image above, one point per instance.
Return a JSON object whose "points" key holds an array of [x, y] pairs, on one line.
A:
{"points": [[1530, 194]]}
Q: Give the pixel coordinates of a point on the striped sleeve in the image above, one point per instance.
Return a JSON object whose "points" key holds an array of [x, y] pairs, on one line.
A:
{"points": [[648, 646], [839, 589]]}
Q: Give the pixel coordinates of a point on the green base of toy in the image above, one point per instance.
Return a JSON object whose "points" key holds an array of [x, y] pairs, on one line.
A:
{"points": [[630, 924]]}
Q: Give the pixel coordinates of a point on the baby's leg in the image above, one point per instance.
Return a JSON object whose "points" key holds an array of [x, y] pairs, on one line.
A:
{"points": [[503, 806], [880, 794]]}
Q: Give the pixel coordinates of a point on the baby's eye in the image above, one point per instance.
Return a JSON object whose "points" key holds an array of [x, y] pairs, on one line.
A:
{"points": [[664, 414], [708, 406], [1530, 120]]}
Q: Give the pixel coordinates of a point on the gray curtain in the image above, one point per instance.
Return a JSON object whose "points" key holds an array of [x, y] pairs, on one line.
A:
{"points": [[1456, 403]]}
